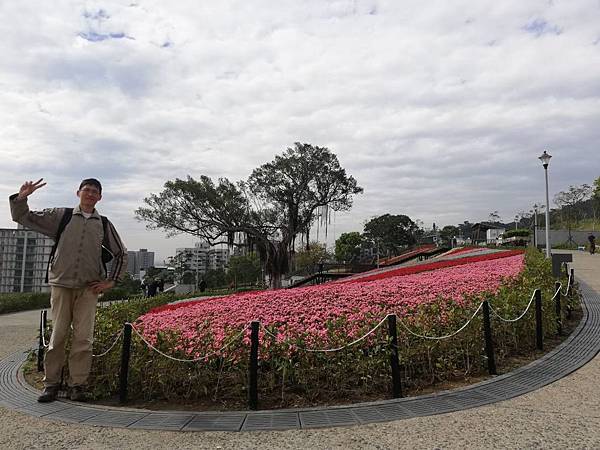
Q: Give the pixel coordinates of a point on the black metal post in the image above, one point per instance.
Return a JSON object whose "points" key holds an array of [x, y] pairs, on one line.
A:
{"points": [[539, 333], [125, 353], [253, 370], [40, 354], [396, 383], [557, 288], [489, 345]]}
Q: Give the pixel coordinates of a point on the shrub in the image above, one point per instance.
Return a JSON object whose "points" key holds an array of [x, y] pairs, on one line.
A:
{"points": [[23, 301], [566, 246], [518, 232]]}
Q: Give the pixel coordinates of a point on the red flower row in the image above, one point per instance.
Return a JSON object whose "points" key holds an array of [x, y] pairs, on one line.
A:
{"points": [[434, 265]]}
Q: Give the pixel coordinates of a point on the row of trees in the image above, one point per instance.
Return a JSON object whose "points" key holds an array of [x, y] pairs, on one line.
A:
{"points": [[577, 206], [388, 234]]}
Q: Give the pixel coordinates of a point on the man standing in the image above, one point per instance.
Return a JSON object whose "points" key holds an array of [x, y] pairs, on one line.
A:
{"points": [[76, 276]]}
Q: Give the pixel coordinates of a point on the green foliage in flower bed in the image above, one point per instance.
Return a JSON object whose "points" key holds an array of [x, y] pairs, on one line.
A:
{"points": [[293, 377]]}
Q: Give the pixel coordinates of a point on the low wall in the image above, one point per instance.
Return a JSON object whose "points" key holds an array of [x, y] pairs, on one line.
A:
{"points": [[561, 236]]}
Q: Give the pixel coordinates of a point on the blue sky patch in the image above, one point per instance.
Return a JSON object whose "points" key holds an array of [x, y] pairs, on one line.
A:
{"points": [[92, 36], [538, 27]]}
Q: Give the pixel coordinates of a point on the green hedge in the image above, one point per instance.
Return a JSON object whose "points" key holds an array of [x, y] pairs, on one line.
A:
{"points": [[518, 232], [23, 301]]}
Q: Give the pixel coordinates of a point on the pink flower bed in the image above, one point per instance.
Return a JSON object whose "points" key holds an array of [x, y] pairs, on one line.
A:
{"points": [[304, 313]]}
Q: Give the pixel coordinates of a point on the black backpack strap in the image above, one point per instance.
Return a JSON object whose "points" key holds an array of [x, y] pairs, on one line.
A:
{"points": [[64, 221], [105, 231], [106, 253]]}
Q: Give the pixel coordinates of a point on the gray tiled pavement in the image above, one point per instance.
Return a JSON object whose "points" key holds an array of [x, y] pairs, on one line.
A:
{"points": [[578, 349]]}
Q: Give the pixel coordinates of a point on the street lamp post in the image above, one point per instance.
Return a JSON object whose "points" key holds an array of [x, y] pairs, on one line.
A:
{"points": [[545, 158], [535, 226]]}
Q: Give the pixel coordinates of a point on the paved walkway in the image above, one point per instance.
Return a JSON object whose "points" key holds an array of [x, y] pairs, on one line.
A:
{"points": [[563, 414]]}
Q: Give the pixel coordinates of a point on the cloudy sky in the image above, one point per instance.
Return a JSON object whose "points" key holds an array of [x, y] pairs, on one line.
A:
{"points": [[439, 109]]}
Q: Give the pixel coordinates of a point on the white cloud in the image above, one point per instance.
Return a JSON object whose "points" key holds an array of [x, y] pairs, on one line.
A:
{"points": [[439, 110]]}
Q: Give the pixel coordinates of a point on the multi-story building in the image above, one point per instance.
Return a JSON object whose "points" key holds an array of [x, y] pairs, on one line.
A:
{"points": [[24, 256], [201, 258], [139, 261]]}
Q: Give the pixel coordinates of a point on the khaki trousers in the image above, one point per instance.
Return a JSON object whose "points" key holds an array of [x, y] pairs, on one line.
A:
{"points": [[76, 308]]}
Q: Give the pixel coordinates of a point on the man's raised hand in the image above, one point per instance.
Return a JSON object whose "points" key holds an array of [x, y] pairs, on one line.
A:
{"points": [[29, 187]]}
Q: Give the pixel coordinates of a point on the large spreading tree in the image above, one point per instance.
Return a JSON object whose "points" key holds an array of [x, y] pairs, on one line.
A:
{"points": [[279, 201]]}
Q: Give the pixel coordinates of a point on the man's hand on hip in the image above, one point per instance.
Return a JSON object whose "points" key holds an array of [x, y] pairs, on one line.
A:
{"points": [[98, 287]]}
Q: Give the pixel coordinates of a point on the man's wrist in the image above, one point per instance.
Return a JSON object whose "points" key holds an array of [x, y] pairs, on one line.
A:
{"points": [[18, 197]]}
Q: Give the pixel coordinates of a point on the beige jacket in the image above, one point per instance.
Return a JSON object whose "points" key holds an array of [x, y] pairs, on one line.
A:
{"points": [[78, 257]]}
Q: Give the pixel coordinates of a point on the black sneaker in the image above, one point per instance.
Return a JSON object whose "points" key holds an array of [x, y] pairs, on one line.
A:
{"points": [[49, 394], [79, 394]]}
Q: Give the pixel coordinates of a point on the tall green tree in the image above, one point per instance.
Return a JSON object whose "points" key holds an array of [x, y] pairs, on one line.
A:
{"points": [[244, 269], [276, 204], [307, 258], [596, 188], [391, 233], [448, 232], [214, 278], [130, 285], [182, 267], [348, 246]]}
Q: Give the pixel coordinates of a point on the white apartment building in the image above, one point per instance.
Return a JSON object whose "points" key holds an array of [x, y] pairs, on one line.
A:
{"points": [[202, 258], [24, 256]]}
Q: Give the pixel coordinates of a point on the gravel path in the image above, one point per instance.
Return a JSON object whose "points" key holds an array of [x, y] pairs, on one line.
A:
{"points": [[565, 414]]}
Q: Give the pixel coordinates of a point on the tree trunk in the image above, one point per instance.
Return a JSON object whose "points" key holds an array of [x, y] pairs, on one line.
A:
{"points": [[275, 281], [277, 262]]}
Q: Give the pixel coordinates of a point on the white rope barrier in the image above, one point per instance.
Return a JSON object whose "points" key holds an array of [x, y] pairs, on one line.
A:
{"points": [[557, 292], [111, 346], [568, 286], [187, 360], [44, 343], [522, 314], [438, 338], [329, 350]]}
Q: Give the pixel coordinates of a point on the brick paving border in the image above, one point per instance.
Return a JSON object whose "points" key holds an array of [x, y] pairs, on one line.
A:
{"points": [[578, 349]]}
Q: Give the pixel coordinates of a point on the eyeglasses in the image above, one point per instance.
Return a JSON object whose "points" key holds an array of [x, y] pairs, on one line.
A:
{"points": [[89, 191]]}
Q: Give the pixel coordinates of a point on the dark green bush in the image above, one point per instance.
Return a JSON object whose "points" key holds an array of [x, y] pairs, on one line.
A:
{"points": [[566, 246], [23, 301], [518, 232]]}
